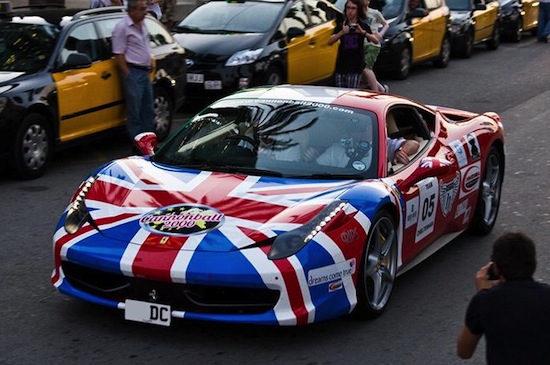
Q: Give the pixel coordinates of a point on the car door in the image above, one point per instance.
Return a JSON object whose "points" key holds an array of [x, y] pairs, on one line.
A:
{"points": [[429, 190], [422, 30], [485, 20], [89, 99], [531, 8], [301, 43], [438, 20]]}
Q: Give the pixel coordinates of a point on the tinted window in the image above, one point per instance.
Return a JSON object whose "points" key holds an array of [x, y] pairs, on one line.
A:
{"points": [[82, 39], [25, 47], [218, 16], [465, 5], [158, 34]]}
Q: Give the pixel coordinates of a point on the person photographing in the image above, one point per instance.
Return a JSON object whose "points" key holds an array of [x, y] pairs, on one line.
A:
{"points": [[510, 309]]}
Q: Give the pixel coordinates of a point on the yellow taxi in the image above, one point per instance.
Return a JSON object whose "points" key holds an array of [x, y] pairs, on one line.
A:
{"points": [[231, 45], [59, 83], [474, 22]]}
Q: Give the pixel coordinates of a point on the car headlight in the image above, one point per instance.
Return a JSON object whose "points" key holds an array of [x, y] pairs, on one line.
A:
{"points": [[244, 57], [78, 213], [289, 243]]}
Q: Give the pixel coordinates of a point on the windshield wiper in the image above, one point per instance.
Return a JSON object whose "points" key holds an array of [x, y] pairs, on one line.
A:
{"points": [[330, 177], [233, 169]]}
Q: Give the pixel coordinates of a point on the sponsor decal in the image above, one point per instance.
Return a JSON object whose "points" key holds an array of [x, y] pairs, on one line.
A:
{"points": [[461, 208], [412, 212], [182, 220], [470, 179], [473, 146], [460, 153], [427, 207], [331, 273], [447, 194], [349, 235], [336, 285]]}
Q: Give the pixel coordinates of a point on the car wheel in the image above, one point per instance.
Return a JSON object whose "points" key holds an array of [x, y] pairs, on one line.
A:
{"points": [[488, 201], [494, 42], [164, 112], [444, 57], [33, 147], [378, 268], [467, 46], [517, 29], [404, 65], [273, 76]]}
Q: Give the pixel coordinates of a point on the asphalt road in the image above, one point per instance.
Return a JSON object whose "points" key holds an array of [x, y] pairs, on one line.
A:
{"points": [[40, 326]]}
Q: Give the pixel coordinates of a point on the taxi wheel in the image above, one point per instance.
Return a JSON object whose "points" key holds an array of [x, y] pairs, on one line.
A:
{"points": [[467, 47], [164, 112], [273, 76], [517, 30], [444, 57], [404, 65], [494, 42], [378, 268], [33, 147]]}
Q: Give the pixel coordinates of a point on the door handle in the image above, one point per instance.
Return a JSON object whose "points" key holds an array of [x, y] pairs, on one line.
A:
{"points": [[105, 75]]}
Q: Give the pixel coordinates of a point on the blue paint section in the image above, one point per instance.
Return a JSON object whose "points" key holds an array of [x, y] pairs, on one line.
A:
{"points": [[98, 252]]}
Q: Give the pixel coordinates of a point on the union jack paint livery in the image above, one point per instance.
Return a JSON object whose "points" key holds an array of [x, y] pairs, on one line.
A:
{"points": [[279, 206]]}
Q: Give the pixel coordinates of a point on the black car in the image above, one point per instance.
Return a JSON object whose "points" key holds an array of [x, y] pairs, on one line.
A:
{"points": [[59, 83], [232, 45], [518, 16]]}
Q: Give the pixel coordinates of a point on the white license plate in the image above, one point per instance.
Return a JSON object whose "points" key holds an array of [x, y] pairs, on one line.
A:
{"points": [[152, 313], [213, 85], [195, 78]]}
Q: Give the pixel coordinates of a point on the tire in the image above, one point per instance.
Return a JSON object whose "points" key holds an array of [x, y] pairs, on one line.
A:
{"points": [[164, 113], [517, 30], [494, 42], [32, 150], [404, 66], [273, 76], [378, 268], [488, 201], [467, 47], [444, 57]]}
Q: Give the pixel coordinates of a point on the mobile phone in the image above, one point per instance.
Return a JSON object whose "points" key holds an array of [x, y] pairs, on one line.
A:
{"points": [[491, 273]]}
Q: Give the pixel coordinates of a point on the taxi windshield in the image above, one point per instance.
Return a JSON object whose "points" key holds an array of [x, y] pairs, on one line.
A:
{"points": [[26, 47], [282, 138]]}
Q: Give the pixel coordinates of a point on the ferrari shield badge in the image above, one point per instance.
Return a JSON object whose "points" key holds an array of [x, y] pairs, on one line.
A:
{"points": [[182, 220]]}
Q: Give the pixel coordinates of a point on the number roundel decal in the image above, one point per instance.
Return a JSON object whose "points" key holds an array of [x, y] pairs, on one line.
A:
{"points": [[182, 220]]}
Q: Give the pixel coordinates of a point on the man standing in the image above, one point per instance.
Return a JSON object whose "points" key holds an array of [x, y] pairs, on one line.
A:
{"points": [[133, 56], [510, 308]]}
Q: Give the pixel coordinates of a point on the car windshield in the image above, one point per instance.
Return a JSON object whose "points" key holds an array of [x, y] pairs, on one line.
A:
{"points": [[283, 138], [459, 5], [231, 17], [26, 47]]}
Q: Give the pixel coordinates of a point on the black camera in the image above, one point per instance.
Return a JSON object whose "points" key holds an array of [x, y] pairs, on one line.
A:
{"points": [[352, 28]]}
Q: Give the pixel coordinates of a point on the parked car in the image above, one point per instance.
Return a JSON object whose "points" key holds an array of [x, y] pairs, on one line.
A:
{"points": [[518, 16], [413, 36], [235, 219], [60, 84], [237, 44], [474, 22]]}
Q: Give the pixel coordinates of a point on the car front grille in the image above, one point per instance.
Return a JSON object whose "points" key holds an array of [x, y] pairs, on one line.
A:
{"points": [[181, 297]]}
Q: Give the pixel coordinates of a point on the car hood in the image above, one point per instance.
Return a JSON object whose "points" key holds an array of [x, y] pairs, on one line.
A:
{"points": [[459, 16], [218, 44], [138, 201], [6, 76]]}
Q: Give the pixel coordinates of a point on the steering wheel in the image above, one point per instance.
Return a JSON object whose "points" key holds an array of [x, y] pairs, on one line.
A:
{"points": [[243, 138]]}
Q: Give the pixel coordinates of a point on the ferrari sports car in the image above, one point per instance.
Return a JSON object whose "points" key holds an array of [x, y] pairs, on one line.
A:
{"points": [[279, 205]]}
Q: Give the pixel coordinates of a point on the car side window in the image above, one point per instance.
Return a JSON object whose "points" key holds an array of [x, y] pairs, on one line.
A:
{"points": [[82, 39], [432, 4], [318, 12], [296, 17], [106, 27]]}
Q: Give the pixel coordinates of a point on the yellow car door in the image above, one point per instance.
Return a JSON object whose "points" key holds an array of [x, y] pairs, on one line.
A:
{"points": [[530, 18], [309, 57], [438, 20], [422, 42], [485, 20], [90, 99]]}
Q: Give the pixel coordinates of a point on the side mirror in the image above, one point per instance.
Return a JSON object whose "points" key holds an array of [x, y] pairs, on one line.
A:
{"points": [[294, 32], [479, 6], [76, 61], [146, 142], [428, 167]]}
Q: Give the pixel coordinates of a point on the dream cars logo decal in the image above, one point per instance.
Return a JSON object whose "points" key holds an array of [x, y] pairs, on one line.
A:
{"points": [[182, 220]]}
